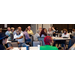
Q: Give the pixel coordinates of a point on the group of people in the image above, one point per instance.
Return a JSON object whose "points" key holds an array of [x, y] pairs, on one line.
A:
{"points": [[22, 36], [16, 35]]}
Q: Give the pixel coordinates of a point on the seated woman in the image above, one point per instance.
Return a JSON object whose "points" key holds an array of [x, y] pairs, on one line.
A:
{"points": [[27, 38], [3, 42], [48, 42], [43, 32], [36, 35], [19, 37], [65, 33], [50, 31]]}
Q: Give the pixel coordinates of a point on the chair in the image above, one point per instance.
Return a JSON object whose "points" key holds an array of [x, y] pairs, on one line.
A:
{"points": [[41, 39], [14, 44], [36, 43]]}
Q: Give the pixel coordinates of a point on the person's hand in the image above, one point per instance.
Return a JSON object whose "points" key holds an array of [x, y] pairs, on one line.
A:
{"points": [[18, 43]]}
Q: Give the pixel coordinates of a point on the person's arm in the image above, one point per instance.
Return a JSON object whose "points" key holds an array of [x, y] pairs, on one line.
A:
{"points": [[20, 37], [9, 48]]}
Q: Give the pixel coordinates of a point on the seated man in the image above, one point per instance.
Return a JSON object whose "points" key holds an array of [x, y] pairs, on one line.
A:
{"points": [[3, 42], [27, 38], [8, 32], [19, 37], [48, 42], [30, 32]]}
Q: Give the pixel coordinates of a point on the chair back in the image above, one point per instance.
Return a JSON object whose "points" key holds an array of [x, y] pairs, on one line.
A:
{"points": [[41, 39]]}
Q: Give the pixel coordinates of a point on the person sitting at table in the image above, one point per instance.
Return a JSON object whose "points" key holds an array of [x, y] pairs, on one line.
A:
{"points": [[30, 32], [53, 29], [8, 32], [27, 37], [43, 32], [13, 30], [40, 29], [20, 29], [65, 33], [19, 37], [50, 31], [48, 42], [36, 35], [56, 30], [3, 42], [0, 30], [73, 34]]}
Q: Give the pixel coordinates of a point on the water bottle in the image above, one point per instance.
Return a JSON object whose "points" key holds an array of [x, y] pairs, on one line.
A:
{"points": [[27, 47], [38, 47]]}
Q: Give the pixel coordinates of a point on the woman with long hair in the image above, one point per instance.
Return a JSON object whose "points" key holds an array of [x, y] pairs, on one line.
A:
{"points": [[43, 32]]}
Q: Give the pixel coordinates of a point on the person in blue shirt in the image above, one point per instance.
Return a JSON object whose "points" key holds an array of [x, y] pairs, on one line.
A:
{"points": [[8, 32]]}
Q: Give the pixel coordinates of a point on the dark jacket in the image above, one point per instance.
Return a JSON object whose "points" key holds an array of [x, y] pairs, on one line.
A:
{"points": [[71, 42], [2, 47]]}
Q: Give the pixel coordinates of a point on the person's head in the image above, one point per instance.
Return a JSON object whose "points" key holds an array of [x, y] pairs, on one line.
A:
{"points": [[50, 29], [29, 28], [17, 32], [73, 29], [40, 29], [3, 38], [19, 28], [26, 29], [44, 32], [56, 28], [65, 31], [12, 29], [0, 30], [8, 29], [48, 40]]}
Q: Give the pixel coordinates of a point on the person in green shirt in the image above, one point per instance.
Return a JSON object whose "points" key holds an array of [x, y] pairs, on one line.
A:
{"points": [[48, 41]]}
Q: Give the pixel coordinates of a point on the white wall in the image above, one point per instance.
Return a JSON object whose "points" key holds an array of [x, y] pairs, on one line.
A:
{"points": [[34, 26]]}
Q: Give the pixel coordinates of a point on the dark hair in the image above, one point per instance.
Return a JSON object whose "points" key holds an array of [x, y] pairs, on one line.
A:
{"points": [[42, 32], [1, 41]]}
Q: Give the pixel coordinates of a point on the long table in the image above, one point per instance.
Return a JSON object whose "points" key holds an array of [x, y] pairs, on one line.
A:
{"points": [[60, 38]]}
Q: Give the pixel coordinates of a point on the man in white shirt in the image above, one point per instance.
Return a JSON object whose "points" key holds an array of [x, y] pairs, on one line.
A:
{"points": [[19, 37]]}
